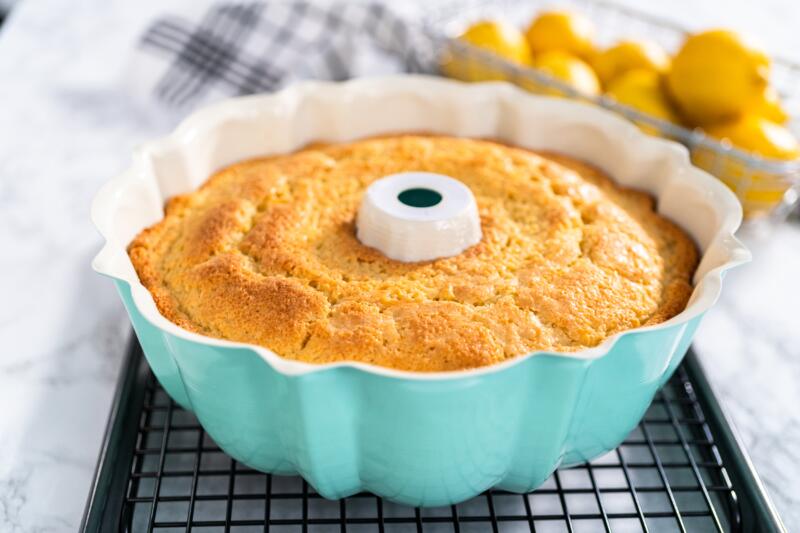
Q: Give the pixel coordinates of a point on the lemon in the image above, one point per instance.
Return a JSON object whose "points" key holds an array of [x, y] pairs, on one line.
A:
{"points": [[759, 135], [716, 75], [497, 37], [769, 105], [629, 55], [759, 190], [561, 30], [642, 90], [569, 69]]}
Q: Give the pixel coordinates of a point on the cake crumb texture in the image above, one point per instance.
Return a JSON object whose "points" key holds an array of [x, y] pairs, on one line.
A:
{"points": [[265, 252]]}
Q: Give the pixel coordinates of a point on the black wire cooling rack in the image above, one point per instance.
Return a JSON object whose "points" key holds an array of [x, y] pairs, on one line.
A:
{"points": [[681, 469]]}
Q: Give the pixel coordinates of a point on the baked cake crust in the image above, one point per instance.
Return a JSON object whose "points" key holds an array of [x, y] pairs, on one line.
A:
{"points": [[265, 252]]}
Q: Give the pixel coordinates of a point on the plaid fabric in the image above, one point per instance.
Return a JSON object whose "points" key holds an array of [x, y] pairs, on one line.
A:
{"points": [[236, 49]]}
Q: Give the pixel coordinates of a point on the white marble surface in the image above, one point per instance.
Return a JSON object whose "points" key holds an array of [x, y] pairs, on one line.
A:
{"points": [[64, 129]]}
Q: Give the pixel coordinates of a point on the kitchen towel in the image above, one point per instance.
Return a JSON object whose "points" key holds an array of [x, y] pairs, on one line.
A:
{"points": [[243, 48]]}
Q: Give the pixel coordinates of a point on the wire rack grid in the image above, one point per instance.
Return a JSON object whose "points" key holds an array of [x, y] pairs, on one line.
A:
{"points": [[666, 476]]}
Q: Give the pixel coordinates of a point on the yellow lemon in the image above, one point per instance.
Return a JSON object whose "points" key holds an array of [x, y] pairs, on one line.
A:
{"points": [[759, 135], [561, 30], [716, 75], [769, 105], [570, 69], [759, 190], [501, 39], [629, 55], [643, 90]]}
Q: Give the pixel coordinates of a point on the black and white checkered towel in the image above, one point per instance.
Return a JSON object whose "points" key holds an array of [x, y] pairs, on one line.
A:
{"points": [[243, 48]]}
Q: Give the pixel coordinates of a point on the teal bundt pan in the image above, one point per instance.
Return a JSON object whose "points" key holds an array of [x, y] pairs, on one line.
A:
{"points": [[414, 438]]}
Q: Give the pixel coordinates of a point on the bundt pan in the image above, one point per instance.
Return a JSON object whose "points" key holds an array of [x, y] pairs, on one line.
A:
{"points": [[416, 438]]}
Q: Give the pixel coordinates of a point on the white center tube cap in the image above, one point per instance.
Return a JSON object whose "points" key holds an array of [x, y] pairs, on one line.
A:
{"points": [[418, 216]]}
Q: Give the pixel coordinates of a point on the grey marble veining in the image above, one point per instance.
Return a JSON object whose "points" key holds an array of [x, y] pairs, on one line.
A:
{"points": [[66, 128]]}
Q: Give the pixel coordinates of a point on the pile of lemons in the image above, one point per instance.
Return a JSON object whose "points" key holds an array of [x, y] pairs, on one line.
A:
{"points": [[717, 81]]}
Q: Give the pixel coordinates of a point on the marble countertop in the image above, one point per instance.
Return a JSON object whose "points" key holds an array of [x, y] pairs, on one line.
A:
{"points": [[66, 127]]}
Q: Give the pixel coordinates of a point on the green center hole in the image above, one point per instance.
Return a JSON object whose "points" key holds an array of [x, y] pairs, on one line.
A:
{"points": [[419, 197]]}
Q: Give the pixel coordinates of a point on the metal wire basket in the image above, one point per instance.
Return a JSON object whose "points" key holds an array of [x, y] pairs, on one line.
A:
{"points": [[767, 188]]}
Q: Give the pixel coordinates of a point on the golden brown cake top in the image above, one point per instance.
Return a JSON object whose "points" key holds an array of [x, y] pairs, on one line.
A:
{"points": [[265, 252]]}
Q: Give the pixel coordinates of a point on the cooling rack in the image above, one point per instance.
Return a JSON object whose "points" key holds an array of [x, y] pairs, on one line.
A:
{"points": [[681, 469]]}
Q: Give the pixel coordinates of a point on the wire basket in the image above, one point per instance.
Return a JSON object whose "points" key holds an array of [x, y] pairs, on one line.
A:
{"points": [[767, 188]]}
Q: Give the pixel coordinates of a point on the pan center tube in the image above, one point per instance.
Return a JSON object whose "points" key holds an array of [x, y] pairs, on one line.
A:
{"points": [[418, 216]]}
